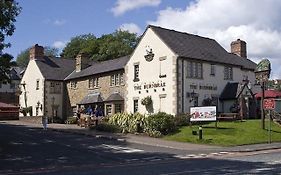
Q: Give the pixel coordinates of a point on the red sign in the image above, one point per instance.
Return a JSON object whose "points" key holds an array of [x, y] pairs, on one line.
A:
{"points": [[269, 104]]}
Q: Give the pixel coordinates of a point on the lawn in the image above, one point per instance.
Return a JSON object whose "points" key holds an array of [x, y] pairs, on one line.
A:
{"points": [[229, 133]]}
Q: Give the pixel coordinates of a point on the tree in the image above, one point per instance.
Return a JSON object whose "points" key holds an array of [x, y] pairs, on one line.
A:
{"points": [[5, 66], [86, 43], [109, 46], [23, 57], [9, 10]]}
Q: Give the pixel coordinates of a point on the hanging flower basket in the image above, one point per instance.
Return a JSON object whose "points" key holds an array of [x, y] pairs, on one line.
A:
{"points": [[146, 101]]}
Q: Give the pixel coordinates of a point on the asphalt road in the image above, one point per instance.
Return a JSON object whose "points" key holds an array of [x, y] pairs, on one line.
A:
{"points": [[26, 150]]}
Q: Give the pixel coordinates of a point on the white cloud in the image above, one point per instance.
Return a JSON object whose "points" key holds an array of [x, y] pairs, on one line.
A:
{"points": [[131, 27], [59, 44], [59, 22], [259, 24], [123, 6]]}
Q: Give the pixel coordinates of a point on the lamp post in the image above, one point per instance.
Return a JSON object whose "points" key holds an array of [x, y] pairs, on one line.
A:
{"points": [[262, 74]]}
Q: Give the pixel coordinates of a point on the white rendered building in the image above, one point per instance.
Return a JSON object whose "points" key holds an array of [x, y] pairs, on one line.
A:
{"points": [[42, 86], [179, 70]]}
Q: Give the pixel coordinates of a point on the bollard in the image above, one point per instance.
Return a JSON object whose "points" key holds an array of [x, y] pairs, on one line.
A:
{"points": [[200, 133]]}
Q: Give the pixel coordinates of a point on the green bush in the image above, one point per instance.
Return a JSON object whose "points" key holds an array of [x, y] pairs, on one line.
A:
{"points": [[128, 123], [182, 119], [71, 120], [162, 122]]}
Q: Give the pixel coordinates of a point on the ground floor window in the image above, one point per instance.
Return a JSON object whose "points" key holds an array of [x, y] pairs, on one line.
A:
{"points": [[136, 106], [118, 108], [108, 109]]}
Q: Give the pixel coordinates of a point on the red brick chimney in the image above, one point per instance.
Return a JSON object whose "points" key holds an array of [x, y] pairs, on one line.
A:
{"points": [[239, 48], [36, 52]]}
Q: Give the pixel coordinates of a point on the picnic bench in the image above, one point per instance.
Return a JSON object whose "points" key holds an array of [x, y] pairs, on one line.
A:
{"points": [[228, 116]]}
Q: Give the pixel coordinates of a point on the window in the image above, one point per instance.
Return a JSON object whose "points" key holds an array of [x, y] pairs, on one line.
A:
{"points": [[136, 72], [118, 108], [122, 79], [117, 79], [37, 84], [55, 88], [228, 73], [213, 70], [108, 109], [73, 84], [194, 70], [161, 62], [136, 106], [112, 80], [94, 83]]}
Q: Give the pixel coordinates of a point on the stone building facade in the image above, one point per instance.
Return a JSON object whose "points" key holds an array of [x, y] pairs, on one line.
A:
{"points": [[96, 84]]}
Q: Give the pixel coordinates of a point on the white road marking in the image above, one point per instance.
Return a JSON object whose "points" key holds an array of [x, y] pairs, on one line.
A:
{"points": [[120, 149]]}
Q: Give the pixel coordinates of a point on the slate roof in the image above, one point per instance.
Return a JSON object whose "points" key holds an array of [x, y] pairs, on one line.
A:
{"points": [[15, 73], [115, 97], [91, 98], [196, 47], [55, 68], [100, 67], [229, 92]]}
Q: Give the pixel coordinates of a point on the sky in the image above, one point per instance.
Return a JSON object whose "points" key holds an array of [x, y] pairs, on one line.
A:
{"points": [[54, 22]]}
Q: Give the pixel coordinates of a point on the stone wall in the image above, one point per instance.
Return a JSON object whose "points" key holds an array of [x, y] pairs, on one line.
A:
{"points": [[82, 89]]}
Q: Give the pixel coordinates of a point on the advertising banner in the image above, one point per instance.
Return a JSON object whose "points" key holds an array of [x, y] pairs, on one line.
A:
{"points": [[205, 113]]}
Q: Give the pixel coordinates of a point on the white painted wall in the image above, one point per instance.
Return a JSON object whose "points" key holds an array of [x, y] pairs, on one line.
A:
{"points": [[149, 73], [31, 75], [209, 80]]}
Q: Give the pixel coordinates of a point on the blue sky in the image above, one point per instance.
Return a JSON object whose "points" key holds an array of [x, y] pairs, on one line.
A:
{"points": [[54, 22]]}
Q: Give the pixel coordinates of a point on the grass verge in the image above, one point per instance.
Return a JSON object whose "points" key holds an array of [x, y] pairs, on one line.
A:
{"points": [[229, 133]]}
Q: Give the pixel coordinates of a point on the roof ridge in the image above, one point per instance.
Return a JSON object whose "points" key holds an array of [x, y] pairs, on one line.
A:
{"points": [[181, 32]]}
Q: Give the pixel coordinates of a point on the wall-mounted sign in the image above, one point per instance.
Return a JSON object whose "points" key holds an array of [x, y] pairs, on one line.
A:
{"points": [[204, 87], [149, 54], [149, 85], [206, 113]]}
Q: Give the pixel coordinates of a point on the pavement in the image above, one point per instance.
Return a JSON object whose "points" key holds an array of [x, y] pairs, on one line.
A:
{"points": [[145, 140]]}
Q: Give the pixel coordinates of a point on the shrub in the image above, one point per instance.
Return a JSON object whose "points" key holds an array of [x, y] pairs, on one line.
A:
{"points": [[162, 122], [71, 120], [128, 122], [182, 119], [26, 110], [146, 101]]}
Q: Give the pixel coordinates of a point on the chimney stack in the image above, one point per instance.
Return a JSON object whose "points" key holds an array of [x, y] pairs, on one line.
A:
{"points": [[36, 52], [82, 61], [238, 47]]}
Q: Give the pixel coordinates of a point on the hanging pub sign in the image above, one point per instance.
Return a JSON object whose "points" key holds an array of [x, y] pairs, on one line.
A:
{"points": [[262, 71]]}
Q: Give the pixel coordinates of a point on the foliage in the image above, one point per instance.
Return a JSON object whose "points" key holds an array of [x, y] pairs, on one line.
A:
{"points": [[84, 43], [5, 65], [57, 120], [228, 133], [9, 10], [23, 57], [110, 46], [162, 122], [128, 122], [146, 101], [26, 110], [182, 119], [71, 120]]}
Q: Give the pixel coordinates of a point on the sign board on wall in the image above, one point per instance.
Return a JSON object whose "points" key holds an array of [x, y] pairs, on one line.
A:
{"points": [[205, 113]]}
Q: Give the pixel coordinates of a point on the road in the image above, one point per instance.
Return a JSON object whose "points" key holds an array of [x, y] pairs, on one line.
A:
{"points": [[25, 150]]}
